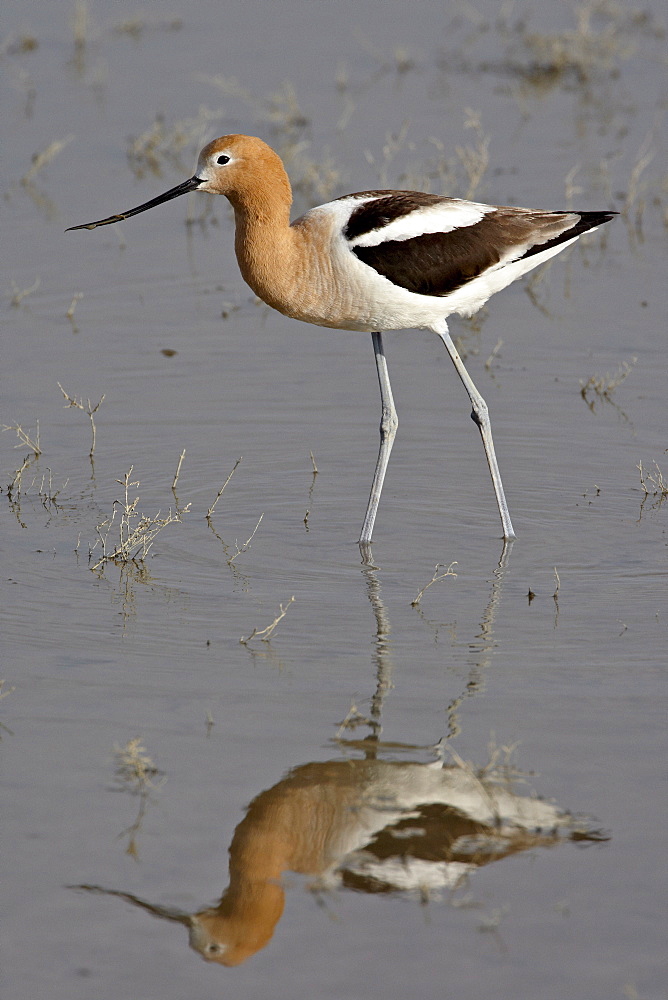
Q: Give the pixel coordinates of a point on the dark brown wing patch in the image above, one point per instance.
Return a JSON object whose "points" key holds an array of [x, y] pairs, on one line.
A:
{"points": [[433, 264], [440, 263]]}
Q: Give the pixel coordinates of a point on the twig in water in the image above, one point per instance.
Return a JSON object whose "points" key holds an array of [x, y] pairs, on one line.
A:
{"points": [[88, 409], [135, 772], [246, 544], [175, 481], [435, 578], [134, 768], [474, 159], [353, 719], [3, 694], [605, 385], [555, 597], [46, 492], [659, 486], [25, 439], [40, 160], [136, 532], [178, 469], [635, 189], [21, 293], [70, 311], [265, 633], [80, 25], [220, 491], [492, 357], [14, 488], [572, 189]]}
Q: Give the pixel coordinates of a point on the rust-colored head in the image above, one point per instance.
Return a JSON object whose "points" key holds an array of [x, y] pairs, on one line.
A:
{"points": [[243, 168]]}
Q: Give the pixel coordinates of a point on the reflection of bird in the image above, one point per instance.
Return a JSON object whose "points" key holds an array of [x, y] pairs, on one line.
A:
{"points": [[369, 825], [375, 261]]}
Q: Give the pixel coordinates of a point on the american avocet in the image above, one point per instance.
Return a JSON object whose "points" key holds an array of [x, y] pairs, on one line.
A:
{"points": [[376, 261]]}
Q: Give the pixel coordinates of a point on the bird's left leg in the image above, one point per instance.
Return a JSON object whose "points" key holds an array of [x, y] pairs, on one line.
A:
{"points": [[388, 429], [480, 416]]}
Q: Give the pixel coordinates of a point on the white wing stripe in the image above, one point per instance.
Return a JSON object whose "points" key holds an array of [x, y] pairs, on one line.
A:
{"points": [[443, 218]]}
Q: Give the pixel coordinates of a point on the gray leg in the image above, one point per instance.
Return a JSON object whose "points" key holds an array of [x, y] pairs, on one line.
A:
{"points": [[388, 429], [480, 416]]}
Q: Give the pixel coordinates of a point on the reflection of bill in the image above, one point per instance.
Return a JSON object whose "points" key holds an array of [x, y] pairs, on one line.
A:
{"points": [[367, 825]]}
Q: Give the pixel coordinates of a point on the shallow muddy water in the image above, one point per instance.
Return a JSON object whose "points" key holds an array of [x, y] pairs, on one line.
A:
{"points": [[460, 797]]}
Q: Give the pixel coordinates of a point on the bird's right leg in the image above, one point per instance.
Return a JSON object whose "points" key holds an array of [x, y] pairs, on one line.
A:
{"points": [[480, 417], [388, 429]]}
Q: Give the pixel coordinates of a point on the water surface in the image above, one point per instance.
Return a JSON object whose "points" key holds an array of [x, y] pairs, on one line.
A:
{"points": [[560, 692]]}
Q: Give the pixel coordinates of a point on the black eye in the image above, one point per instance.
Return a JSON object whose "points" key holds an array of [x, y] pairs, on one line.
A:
{"points": [[222, 160]]}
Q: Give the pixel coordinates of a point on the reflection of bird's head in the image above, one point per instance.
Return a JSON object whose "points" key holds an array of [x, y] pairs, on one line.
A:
{"points": [[235, 930]]}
